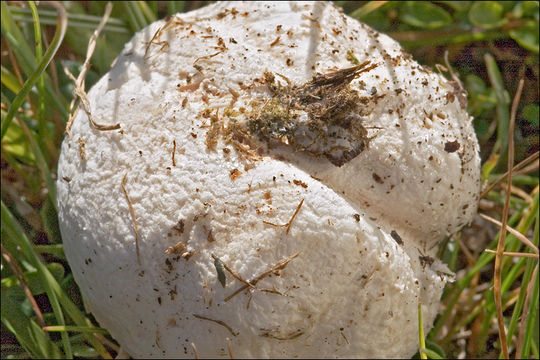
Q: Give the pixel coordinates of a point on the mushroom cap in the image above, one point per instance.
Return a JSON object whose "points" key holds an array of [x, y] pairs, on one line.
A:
{"points": [[337, 244]]}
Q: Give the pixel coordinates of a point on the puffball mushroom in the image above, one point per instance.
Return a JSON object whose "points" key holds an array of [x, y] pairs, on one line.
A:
{"points": [[278, 187]]}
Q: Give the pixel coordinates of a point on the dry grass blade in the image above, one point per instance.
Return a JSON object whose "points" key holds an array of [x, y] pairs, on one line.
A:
{"points": [[509, 253], [521, 193], [288, 224], [220, 322], [132, 212], [79, 91], [514, 232], [502, 237], [280, 265], [229, 348], [195, 353], [107, 342], [18, 272], [524, 314], [516, 168]]}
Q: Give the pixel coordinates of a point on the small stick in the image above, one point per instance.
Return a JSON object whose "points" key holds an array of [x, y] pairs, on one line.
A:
{"points": [[173, 151], [514, 232], [288, 225], [132, 212], [502, 237], [18, 272], [217, 322], [280, 265]]}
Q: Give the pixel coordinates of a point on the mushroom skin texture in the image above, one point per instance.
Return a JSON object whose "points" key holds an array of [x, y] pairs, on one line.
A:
{"points": [[285, 142]]}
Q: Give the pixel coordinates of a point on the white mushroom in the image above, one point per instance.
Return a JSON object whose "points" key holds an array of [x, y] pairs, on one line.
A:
{"points": [[281, 177]]}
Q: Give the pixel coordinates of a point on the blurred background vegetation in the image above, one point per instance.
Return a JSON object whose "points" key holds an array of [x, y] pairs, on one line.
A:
{"points": [[489, 45]]}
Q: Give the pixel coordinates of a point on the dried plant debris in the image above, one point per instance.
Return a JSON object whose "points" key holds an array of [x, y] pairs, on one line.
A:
{"points": [[322, 117]]}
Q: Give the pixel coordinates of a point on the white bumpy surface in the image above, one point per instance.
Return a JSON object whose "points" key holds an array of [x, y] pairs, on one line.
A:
{"points": [[353, 290]]}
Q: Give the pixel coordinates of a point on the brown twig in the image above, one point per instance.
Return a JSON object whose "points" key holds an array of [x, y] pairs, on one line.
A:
{"points": [[18, 272], [280, 265], [524, 314], [502, 237], [79, 91], [288, 224], [217, 322], [173, 152], [514, 232], [132, 212]]}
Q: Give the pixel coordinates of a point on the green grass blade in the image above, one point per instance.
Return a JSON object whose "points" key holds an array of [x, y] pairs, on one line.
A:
{"points": [[54, 290], [421, 338], [84, 21], [147, 12], [19, 324], [503, 101], [135, 17], [41, 163], [42, 126], [15, 232], [10, 81], [13, 34], [532, 320], [175, 7], [367, 8], [59, 328], [47, 57], [427, 353]]}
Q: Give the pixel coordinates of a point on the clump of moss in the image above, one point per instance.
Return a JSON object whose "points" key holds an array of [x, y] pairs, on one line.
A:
{"points": [[322, 117]]}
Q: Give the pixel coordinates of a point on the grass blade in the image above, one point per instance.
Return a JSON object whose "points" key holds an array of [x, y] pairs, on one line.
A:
{"points": [[54, 291], [367, 8], [47, 57], [503, 113]]}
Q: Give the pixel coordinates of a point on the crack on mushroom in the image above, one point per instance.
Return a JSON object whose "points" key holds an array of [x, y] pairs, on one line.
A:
{"points": [[280, 265], [289, 223], [132, 212], [219, 322]]}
